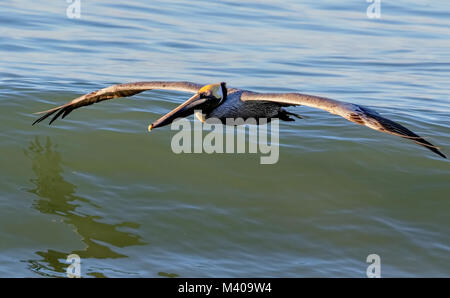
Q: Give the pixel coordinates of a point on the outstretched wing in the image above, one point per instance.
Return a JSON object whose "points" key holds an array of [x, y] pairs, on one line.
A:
{"points": [[114, 91], [352, 112]]}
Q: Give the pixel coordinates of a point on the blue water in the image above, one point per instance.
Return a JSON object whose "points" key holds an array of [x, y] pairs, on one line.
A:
{"points": [[98, 185]]}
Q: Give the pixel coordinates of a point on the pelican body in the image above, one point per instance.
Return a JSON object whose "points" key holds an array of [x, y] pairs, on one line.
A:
{"points": [[219, 102]]}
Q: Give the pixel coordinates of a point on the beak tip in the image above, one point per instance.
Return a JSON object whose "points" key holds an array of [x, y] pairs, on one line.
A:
{"points": [[150, 127]]}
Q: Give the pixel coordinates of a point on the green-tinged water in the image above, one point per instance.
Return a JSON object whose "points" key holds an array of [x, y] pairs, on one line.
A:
{"points": [[97, 184]]}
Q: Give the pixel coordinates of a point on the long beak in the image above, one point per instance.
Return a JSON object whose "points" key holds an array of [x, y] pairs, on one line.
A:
{"points": [[185, 109]]}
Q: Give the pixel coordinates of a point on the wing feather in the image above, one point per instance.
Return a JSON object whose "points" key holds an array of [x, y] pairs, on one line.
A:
{"points": [[115, 91], [352, 112]]}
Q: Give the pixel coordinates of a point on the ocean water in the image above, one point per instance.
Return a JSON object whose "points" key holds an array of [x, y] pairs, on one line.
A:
{"points": [[98, 185]]}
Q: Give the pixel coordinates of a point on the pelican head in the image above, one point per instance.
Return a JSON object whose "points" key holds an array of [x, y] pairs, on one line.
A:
{"points": [[206, 99]]}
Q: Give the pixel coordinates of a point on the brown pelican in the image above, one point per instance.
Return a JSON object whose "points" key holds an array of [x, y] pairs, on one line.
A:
{"points": [[218, 101]]}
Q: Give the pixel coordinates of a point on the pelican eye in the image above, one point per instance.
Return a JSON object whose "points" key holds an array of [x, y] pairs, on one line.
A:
{"points": [[211, 91], [207, 94]]}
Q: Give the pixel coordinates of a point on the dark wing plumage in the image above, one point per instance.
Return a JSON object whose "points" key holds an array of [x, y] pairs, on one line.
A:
{"points": [[394, 128], [352, 112], [114, 91]]}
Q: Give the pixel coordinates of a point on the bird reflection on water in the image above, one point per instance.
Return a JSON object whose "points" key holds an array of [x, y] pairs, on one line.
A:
{"points": [[56, 196]]}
